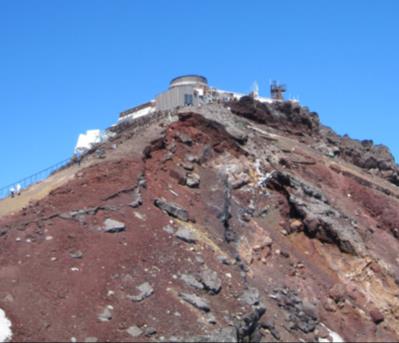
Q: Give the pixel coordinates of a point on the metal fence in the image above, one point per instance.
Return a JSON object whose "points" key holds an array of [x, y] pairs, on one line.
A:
{"points": [[34, 178]]}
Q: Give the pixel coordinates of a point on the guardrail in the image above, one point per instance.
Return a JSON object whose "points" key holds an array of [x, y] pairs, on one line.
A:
{"points": [[34, 178], [136, 123]]}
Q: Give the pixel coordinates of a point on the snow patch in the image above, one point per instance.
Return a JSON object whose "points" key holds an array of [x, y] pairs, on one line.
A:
{"points": [[5, 327], [139, 113], [86, 140], [336, 338]]}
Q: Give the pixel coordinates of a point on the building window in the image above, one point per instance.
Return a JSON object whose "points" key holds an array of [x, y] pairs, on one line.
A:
{"points": [[188, 99]]}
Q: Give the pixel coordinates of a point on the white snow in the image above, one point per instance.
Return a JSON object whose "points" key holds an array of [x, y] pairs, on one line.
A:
{"points": [[263, 99], [5, 327], [233, 94], [336, 338], [86, 140], [200, 91], [140, 113]]}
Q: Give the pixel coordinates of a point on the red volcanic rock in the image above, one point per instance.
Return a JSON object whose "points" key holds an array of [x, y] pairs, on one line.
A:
{"points": [[338, 293], [376, 316], [196, 263]]}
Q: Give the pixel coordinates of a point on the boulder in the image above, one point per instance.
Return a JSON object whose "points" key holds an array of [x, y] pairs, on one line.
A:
{"points": [[320, 219], [211, 281], [137, 199], [184, 138], [196, 301], [145, 290], [224, 335], [76, 254], [134, 331], [186, 235], [172, 209], [193, 180], [105, 315], [191, 281], [113, 226], [250, 296]]}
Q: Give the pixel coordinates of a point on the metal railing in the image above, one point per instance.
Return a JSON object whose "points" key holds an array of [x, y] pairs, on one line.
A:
{"points": [[34, 178]]}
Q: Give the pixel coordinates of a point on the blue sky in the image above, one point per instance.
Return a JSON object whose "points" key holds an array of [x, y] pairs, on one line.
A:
{"points": [[71, 65]]}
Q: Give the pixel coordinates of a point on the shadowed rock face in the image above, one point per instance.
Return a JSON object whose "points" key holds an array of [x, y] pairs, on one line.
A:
{"points": [[278, 235], [289, 116], [377, 159], [292, 118]]}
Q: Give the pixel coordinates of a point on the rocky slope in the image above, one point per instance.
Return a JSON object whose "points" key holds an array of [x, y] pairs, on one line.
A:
{"points": [[231, 222]]}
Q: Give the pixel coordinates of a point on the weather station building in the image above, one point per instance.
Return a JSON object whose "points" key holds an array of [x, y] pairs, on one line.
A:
{"points": [[186, 91], [183, 91]]}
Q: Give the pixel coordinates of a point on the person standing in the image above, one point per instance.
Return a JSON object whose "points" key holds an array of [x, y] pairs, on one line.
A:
{"points": [[18, 189], [12, 192]]}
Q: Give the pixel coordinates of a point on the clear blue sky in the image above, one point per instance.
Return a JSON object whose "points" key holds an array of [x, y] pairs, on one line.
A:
{"points": [[71, 65]]}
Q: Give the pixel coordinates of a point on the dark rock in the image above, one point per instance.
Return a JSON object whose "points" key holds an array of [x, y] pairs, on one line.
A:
{"points": [[184, 138], [186, 235], [150, 331], [224, 335], [211, 281], [145, 290], [240, 136], [320, 219], [250, 296], [248, 327], [300, 316], [240, 182], [193, 180], [113, 226], [137, 199], [206, 153], [192, 158], [134, 331], [286, 116], [364, 154], [269, 325], [167, 157], [211, 319], [76, 254], [196, 301], [187, 166], [105, 315], [172, 209], [191, 281], [224, 260]]}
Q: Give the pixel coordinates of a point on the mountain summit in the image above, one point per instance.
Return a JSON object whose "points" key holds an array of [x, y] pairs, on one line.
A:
{"points": [[227, 219]]}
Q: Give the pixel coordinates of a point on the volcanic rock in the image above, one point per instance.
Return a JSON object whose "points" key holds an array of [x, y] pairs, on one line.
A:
{"points": [[145, 290], [198, 302], [113, 226], [172, 209], [186, 235], [211, 281]]}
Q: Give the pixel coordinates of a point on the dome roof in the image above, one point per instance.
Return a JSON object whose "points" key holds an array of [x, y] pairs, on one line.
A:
{"points": [[188, 80]]}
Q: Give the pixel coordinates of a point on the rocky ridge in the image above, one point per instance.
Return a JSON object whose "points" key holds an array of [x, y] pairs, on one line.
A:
{"points": [[231, 222]]}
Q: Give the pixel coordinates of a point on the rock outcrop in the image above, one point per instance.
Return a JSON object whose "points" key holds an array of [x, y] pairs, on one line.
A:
{"points": [[235, 222]]}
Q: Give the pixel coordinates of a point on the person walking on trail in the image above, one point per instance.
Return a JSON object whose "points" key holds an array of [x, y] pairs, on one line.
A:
{"points": [[78, 157], [12, 192], [18, 189]]}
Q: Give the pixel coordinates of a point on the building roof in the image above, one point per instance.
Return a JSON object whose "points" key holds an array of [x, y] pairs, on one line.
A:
{"points": [[188, 79]]}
